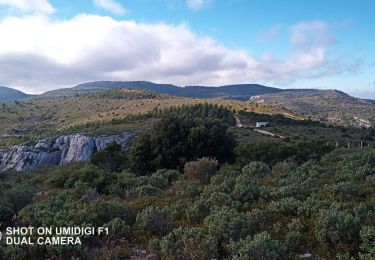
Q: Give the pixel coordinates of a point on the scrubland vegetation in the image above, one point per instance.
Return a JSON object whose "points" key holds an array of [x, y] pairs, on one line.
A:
{"points": [[93, 112], [189, 188]]}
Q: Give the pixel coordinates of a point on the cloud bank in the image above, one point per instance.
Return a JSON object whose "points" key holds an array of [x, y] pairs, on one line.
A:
{"points": [[29, 6], [39, 54]]}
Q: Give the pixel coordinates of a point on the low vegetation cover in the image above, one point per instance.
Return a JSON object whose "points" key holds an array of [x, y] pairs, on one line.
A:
{"points": [[326, 105], [98, 113], [187, 189]]}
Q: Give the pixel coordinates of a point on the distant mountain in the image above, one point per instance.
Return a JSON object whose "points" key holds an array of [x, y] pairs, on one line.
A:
{"points": [[324, 105], [370, 101], [241, 91], [10, 95]]}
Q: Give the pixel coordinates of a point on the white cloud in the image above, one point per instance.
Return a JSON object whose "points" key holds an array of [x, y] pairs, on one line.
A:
{"points": [[313, 34], [39, 54], [198, 4], [111, 6], [29, 6]]}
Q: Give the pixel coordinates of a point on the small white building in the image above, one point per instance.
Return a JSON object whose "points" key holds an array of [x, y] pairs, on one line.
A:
{"points": [[262, 124]]}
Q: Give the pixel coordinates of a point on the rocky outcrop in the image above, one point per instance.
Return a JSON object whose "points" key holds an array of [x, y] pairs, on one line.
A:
{"points": [[58, 150]]}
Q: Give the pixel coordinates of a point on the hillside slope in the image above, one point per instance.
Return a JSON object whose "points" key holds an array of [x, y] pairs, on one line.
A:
{"points": [[9, 95], [41, 116], [324, 105], [241, 91]]}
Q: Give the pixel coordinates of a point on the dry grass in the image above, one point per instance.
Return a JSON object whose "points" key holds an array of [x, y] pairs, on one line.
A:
{"points": [[36, 117]]}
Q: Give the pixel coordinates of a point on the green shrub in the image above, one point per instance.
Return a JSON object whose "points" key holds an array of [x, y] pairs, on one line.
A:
{"points": [[225, 223], [209, 202], [156, 221], [18, 197], [146, 190], [6, 213], [256, 170], [201, 170], [337, 228], [118, 227], [367, 234], [110, 159], [286, 206], [185, 243], [259, 247]]}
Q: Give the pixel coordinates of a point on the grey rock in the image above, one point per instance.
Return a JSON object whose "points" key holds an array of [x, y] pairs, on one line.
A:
{"points": [[60, 150]]}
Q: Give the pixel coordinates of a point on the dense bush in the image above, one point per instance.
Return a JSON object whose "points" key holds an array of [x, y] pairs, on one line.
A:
{"points": [[225, 224], [188, 243], [18, 197], [337, 227], [272, 152], [201, 170], [6, 212], [156, 221], [368, 241], [110, 159], [259, 247], [178, 138]]}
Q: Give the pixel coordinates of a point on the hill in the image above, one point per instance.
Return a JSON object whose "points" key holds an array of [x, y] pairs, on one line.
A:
{"points": [[324, 105], [240, 91], [9, 95], [35, 117]]}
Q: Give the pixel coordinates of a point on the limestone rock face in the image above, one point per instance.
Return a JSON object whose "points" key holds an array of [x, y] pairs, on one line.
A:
{"points": [[58, 150]]}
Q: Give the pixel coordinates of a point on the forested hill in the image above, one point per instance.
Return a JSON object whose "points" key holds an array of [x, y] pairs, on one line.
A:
{"points": [[239, 91]]}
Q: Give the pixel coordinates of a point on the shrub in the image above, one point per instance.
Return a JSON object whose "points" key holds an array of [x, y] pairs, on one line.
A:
{"points": [[294, 237], [256, 170], [209, 202], [185, 243], [6, 213], [337, 228], [187, 189], [146, 190], [118, 227], [18, 197], [201, 170], [156, 221], [245, 189], [259, 247], [163, 178], [367, 234], [286, 206], [225, 224], [110, 159]]}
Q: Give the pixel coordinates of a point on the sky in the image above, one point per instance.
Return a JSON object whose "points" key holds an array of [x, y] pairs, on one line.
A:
{"points": [[325, 44]]}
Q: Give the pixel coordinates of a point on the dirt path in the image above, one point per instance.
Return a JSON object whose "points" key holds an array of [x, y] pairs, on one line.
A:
{"points": [[269, 133], [238, 122]]}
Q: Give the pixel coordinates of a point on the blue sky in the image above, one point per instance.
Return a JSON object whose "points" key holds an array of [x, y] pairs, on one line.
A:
{"points": [[288, 44]]}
